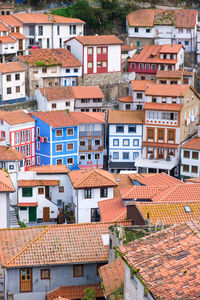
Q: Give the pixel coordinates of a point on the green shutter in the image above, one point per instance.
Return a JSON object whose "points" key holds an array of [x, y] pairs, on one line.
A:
{"points": [[27, 192]]}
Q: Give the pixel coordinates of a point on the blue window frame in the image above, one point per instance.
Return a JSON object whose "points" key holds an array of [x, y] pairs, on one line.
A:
{"points": [[125, 142], [135, 155], [115, 155], [125, 155], [132, 128], [120, 129], [75, 70], [67, 70], [115, 142], [135, 142]]}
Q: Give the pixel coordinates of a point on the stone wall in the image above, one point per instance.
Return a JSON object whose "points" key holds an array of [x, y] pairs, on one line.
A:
{"points": [[29, 105]]}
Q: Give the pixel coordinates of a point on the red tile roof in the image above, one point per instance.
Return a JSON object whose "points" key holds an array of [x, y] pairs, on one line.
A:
{"points": [[16, 117], [57, 93], [5, 182], [177, 74], [33, 183], [10, 154], [141, 192], [10, 20], [168, 261], [128, 99], [192, 180], [50, 169], [112, 210], [162, 145], [3, 27], [50, 57], [140, 85], [155, 179], [193, 144], [141, 18], [55, 244], [56, 118], [171, 48], [88, 40], [88, 117], [18, 35], [91, 178], [125, 117], [11, 67], [168, 90], [112, 276], [74, 292], [34, 18], [85, 92], [27, 204], [123, 180], [162, 106], [128, 48], [7, 40]]}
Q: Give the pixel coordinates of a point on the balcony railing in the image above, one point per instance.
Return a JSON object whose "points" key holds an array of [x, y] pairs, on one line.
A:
{"points": [[90, 148], [90, 133]]}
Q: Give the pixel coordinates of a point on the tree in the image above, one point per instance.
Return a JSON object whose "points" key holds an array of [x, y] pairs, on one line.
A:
{"points": [[89, 294]]}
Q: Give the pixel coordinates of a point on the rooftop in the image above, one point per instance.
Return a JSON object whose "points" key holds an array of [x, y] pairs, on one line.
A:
{"points": [[9, 154], [57, 93], [127, 99], [112, 210], [162, 106], [85, 92], [167, 90], [7, 40], [140, 85], [152, 179], [50, 169], [166, 261], [193, 144], [11, 67], [125, 117], [16, 117], [141, 192], [5, 182], [10, 20], [87, 40], [171, 48], [56, 118], [177, 74], [88, 117], [36, 182]]}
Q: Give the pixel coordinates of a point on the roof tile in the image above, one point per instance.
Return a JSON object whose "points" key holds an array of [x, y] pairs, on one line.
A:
{"points": [[125, 117]]}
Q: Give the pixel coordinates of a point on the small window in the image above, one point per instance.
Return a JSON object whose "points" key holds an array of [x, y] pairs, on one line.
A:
{"points": [[89, 65], [148, 30], [136, 29], [70, 146], [141, 66], [45, 274], [82, 143], [67, 70], [98, 50], [11, 167], [17, 76], [40, 191], [78, 270], [187, 209], [70, 131], [87, 193], [135, 142], [97, 142], [61, 189], [104, 64], [8, 77], [59, 147], [90, 50], [125, 155], [67, 103], [44, 70], [59, 161], [125, 142], [103, 192], [59, 132], [82, 157], [185, 168], [27, 192], [53, 105], [115, 142], [70, 161], [120, 129], [104, 50], [95, 215], [97, 156], [132, 129], [115, 155], [195, 155], [194, 169], [38, 160], [128, 106], [186, 154], [147, 66], [139, 95], [99, 64], [75, 70], [9, 91], [153, 67]]}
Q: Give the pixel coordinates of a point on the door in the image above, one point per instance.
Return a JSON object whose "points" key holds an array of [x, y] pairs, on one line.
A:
{"points": [[26, 280], [89, 144], [20, 45], [46, 214], [32, 214], [47, 192]]}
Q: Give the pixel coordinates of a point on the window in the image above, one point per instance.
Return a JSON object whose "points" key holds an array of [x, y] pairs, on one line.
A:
{"points": [[59, 132], [45, 274], [136, 29], [61, 189], [47, 43], [133, 65], [147, 66], [187, 209], [3, 134], [104, 64], [8, 77], [89, 65], [59, 147], [67, 70], [136, 142], [70, 131], [82, 143], [78, 270], [90, 51], [97, 142], [38, 145], [150, 133], [97, 156], [153, 67], [115, 142], [17, 89], [38, 160], [58, 29], [139, 95], [185, 168], [98, 50], [141, 66], [148, 30], [95, 215], [23, 208], [53, 105], [44, 70], [104, 50], [195, 155], [82, 157], [103, 192], [120, 129], [40, 191], [125, 155], [75, 70], [16, 138], [99, 64], [17, 76], [59, 161], [160, 135], [87, 193], [128, 106], [194, 169], [125, 142], [67, 103], [11, 167], [135, 155], [115, 155], [27, 192], [89, 157], [28, 136], [9, 91], [186, 43], [70, 146], [70, 161], [171, 135], [22, 136], [28, 150], [139, 107], [132, 129], [26, 280], [40, 30]]}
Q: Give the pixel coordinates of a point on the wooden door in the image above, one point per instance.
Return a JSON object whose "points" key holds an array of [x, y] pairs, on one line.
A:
{"points": [[46, 214], [32, 214], [89, 144], [20, 45], [26, 280], [47, 192]]}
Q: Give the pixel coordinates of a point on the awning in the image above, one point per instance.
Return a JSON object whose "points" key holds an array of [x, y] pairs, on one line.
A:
{"points": [[27, 204]]}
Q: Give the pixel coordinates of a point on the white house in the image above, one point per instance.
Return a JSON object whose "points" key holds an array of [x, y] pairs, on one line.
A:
{"points": [[12, 83], [48, 31], [158, 26], [125, 130], [88, 188]]}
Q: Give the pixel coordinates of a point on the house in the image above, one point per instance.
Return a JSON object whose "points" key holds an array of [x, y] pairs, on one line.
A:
{"points": [[172, 271], [18, 130], [35, 260], [159, 26], [48, 31], [56, 138], [89, 187], [168, 57], [12, 83], [7, 9], [6, 187], [125, 130], [99, 55], [126, 53], [11, 159], [73, 98], [50, 68], [180, 76]]}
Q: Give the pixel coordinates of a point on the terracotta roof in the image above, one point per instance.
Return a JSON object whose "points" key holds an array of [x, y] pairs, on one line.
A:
{"points": [[128, 99], [141, 192], [140, 85], [128, 48], [155, 179], [85, 92], [192, 180], [74, 292], [123, 180], [10, 20], [11, 67], [57, 93], [112, 210], [161, 145], [169, 213], [181, 18], [177, 74], [7, 40], [56, 118], [91, 178], [55, 244], [112, 276], [10, 154], [5, 182], [3, 27], [188, 73], [33, 183], [87, 40], [27, 204], [193, 144], [16, 117], [167, 261], [88, 117], [18, 35], [49, 57], [168, 90], [50, 169], [31, 18], [171, 48], [162, 106], [125, 117]]}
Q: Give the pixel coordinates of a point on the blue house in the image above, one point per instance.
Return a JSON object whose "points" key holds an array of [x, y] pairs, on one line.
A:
{"points": [[125, 130], [56, 139]]}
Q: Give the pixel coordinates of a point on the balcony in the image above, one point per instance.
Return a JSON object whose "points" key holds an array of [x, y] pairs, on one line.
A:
{"points": [[90, 133], [90, 148], [159, 163]]}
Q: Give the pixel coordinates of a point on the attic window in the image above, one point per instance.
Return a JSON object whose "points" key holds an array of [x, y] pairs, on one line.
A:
{"points": [[58, 52], [187, 209], [135, 182]]}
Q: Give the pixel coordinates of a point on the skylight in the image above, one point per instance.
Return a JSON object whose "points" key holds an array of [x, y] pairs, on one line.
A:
{"points": [[187, 209]]}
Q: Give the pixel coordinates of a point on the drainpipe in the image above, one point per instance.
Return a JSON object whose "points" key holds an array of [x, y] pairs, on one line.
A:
{"points": [[5, 284], [77, 206]]}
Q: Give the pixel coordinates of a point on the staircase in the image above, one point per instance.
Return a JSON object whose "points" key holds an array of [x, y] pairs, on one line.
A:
{"points": [[13, 219]]}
